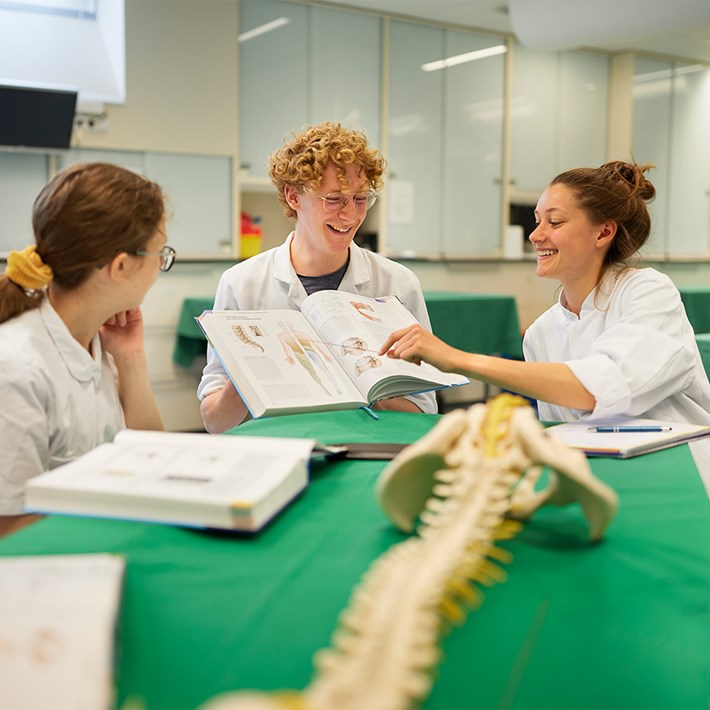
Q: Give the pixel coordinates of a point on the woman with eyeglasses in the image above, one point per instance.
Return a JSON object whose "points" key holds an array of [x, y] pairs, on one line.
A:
{"points": [[326, 179], [72, 359]]}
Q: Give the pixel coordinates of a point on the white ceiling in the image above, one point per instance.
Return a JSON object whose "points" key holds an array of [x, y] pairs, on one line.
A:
{"points": [[676, 28]]}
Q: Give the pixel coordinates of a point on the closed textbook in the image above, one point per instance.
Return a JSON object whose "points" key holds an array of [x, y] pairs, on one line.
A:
{"points": [[623, 442], [200, 480]]}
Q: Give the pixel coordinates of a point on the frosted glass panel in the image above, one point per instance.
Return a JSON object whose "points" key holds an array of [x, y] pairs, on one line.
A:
{"points": [[651, 139], [558, 115], [473, 138], [584, 81], [126, 159], [198, 190], [199, 196], [273, 79], [22, 176], [689, 210], [415, 141], [533, 119], [346, 90]]}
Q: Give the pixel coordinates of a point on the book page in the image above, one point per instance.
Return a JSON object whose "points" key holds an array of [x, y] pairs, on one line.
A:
{"points": [[355, 327], [191, 468], [57, 630], [277, 358]]}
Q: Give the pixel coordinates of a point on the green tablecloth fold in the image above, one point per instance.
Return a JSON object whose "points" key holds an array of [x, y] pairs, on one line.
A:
{"points": [[697, 305], [190, 340]]}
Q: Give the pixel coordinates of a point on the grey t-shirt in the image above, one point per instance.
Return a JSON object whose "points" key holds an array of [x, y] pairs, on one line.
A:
{"points": [[313, 284]]}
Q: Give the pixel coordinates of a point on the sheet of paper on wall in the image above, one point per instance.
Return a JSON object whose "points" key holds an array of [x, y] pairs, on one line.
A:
{"points": [[401, 202], [57, 630]]}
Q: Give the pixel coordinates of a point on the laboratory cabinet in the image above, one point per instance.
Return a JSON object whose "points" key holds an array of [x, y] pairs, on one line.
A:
{"points": [[558, 116], [198, 190], [671, 115], [444, 142], [299, 65]]}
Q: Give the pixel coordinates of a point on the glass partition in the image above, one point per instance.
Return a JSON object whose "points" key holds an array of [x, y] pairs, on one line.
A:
{"points": [[198, 190]]}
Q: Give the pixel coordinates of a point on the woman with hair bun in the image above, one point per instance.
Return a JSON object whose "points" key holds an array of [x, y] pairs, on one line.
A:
{"points": [[72, 359], [618, 341]]}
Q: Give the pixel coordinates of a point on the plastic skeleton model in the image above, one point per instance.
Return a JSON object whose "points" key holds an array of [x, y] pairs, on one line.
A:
{"points": [[463, 481]]}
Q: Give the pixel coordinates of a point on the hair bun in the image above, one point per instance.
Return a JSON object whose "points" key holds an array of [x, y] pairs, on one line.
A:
{"points": [[633, 175]]}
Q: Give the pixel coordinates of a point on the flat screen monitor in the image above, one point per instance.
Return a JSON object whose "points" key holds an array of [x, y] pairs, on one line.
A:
{"points": [[36, 117]]}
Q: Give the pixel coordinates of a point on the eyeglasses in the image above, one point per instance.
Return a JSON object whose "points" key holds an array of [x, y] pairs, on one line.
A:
{"points": [[166, 254], [336, 201]]}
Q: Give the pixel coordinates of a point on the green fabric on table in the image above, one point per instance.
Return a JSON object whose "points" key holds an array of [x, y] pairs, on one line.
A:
{"points": [[624, 623], [697, 306], [476, 322], [190, 341], [703, 341]]}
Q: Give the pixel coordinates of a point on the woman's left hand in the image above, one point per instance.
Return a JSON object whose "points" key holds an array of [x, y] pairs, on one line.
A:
{"points": [[122, 333]]}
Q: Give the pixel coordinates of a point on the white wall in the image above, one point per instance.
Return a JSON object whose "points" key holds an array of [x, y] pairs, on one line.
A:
{"points": [[181, 74], [181, 80]]}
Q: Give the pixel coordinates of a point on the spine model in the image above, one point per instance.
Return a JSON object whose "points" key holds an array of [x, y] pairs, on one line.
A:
{"points": [[463, 482]]}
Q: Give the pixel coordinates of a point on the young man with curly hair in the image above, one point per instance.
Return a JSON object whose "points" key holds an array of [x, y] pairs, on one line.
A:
{"points": [[326, 178]]}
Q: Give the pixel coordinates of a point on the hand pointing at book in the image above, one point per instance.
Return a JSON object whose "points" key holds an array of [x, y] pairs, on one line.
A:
{"points": [[415, 344]]}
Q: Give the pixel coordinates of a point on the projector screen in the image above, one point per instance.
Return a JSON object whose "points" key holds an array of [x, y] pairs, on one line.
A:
{"points": [[79, 49]]}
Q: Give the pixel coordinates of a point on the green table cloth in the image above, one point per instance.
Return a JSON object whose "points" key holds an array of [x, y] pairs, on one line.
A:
{"points": [[190, 340], [621, 624], [475, 322], [697, 305]]}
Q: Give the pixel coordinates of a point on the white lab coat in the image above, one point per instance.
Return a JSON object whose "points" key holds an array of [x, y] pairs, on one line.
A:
{"points": [[268, 281], [633, 349], [58, 400]]}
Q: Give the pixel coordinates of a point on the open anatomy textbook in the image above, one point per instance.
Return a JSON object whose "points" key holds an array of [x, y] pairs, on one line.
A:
{"points": [[623, 438], [321, 358], [200, 480]]}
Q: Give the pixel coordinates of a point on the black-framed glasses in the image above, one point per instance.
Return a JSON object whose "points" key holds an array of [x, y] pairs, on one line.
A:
{"points": [[336, 201], [166, 254]]}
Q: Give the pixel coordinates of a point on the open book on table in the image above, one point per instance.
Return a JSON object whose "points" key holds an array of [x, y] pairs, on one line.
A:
{"points": [[200, 480], [623, 437], [321, 358]]}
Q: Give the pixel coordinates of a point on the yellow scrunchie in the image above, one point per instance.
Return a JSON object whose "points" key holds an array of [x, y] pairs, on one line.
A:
{"points": [[27, 270]]}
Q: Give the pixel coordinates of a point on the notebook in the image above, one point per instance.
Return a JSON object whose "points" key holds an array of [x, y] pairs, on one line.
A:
{"points": [[624, 438]]}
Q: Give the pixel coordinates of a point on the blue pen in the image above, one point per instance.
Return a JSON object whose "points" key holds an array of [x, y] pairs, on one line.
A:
{"points": [[611, 429]]}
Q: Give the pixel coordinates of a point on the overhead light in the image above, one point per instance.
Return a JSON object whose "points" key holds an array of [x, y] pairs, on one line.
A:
{"points": [[463, 58], [263, 29]]}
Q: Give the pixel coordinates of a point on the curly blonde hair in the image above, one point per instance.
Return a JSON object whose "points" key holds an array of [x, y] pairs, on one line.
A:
{"points": [[302, 161]]}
